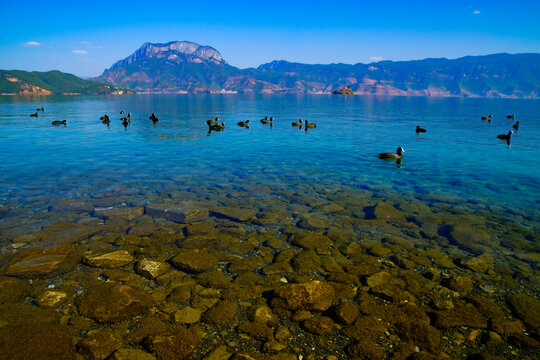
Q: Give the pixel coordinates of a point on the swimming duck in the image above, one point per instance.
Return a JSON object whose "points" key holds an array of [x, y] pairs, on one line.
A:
{"points": [[212, 121], [243, 123], [419, 129], [487, 117], [34, 115], [297, 123], [216, 127], [58, 122], [104, 117], [126, 118], [511, 116], [153, 118], [505, 136], [516, 126], [397, 155], [106, 121], [309, 125], [267, 121], [125, 123], [41, 109]]}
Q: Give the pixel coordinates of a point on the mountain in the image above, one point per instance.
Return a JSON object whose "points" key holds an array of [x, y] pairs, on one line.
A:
{"points": [[182, 66], [51, 82]]}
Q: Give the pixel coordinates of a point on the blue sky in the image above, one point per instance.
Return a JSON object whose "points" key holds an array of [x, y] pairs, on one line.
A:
{"points": [[86, 38]]}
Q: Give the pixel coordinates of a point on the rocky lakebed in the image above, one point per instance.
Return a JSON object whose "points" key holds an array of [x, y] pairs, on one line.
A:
{"points": [[285, 275]]}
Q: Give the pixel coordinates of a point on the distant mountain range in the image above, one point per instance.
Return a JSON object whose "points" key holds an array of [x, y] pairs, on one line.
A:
{"points": [[18, 82], [188, 67]]}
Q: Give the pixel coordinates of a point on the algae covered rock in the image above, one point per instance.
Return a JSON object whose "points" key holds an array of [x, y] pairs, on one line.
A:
{"points": [[178, 346], [194, 261], [319, 325], [180, 213], [99, 344], [110, 302], [526, 308], [466, 315], [44, 263], [222, 313], [314, 295], [151, 269], [111, 260]]}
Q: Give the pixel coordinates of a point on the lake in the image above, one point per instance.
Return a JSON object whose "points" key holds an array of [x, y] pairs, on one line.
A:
{"points": [[283, 204]]}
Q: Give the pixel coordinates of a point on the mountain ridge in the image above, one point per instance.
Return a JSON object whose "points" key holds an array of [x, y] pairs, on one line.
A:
{"points": [[187, 67]]}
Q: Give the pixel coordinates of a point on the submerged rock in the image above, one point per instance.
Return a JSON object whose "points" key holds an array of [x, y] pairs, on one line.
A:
{"points": [[178, 346], [151, 269], [315, 295], [109, 260], [180, 213], [108, 303], [194, 261], [131, 354], [233, 213], [44, 263], [36, 341], [526, 308], [98, 344], [125, 213], [466, 315]]}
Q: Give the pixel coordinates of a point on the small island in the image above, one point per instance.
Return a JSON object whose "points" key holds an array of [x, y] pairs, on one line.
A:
{"points": [[345, 91]]}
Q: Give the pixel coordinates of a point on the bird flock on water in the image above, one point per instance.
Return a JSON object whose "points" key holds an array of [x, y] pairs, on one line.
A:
{"points": [[215, 125]]}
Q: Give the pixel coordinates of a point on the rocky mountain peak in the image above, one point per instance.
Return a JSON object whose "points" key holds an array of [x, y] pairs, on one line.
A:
{"points": [[172, 49]]}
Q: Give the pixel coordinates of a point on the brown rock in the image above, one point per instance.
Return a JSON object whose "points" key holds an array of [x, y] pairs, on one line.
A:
{"points": [[194, 261], [365, 349], [366, 327], [132, 354], [263, 314], [421, 334], [51, 298], [187, 315], [319, 325], [346, 312], [315, 295], [151, 269], [384, 211], [98, 344], [466, 315], [283, 335], [234, 214], [507, 327], [111, 302], [526, 308], [222, 313], [125, 213], [463, 284], [180, 213], [44, 263], [219, 353], [471, 239], [36, 341], [110, 260], [257, 331], [178, 346], [379, 279], [480, 264]]}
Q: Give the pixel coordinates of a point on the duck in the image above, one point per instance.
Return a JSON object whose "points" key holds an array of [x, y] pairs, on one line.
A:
{"points": [[397, 155], [516, 126], [153, 118], [420, 130], [212, 121], [58, 122], [309, 125], [126, 118], [511, 116], [34, 115], [104, 117], [216, 127], [42, 109], [505, 136], [122, 112], [267, 121], [297, 123], [243, 123], [125, 123], [106, 121], [487, 117]]}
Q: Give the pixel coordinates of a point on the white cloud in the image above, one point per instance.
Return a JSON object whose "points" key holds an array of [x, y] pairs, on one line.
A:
{"points": [[80, 52], [32, 43], [376, 58], [476, 12], [89, 45]]}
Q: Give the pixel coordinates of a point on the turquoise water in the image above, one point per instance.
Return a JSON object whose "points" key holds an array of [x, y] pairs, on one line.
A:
{"points": [[458, 157]]}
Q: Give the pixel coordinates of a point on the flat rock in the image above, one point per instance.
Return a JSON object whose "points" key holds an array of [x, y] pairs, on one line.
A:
{"points": [[314, 295], [378, 279], [109, 260], [36, 341], [131, 354], [178, 346], [110, 302], [98, 344], [233, 213], [466, 315], [44, 263], [219, 353], [471, 239], [526, 308], [182, 213], [124, 213], [194, 261], [187, 315], [151, 269], [384, 211], [480, 264], [51, 298]]}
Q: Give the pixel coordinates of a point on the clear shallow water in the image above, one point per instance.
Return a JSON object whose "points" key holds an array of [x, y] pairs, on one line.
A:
{"points": [[459, 216], [459, 156]]}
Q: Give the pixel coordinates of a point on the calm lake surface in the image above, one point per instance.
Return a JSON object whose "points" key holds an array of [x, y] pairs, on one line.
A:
{"points": [[326, 180]]}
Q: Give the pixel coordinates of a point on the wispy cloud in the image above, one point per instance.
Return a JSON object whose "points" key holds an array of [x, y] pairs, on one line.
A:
{"points": [[89, 45], [79, 52], [376, 58], [476, 12], [32, 43]]}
